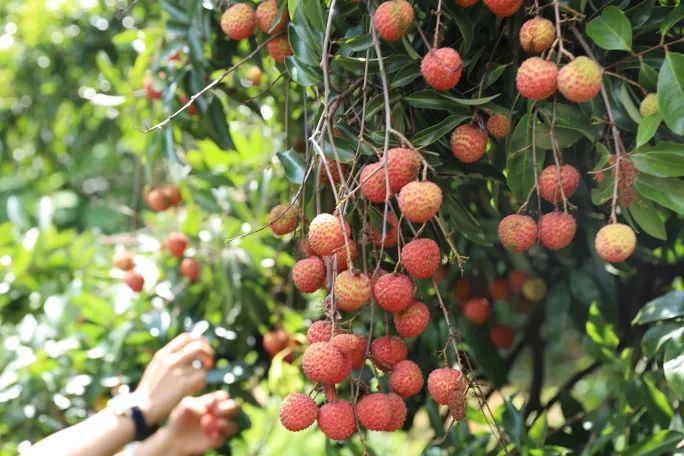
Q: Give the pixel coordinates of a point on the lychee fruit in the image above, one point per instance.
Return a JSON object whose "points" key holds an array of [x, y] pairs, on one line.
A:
{"points": [[176, 243], [123, 261], [156, 200], [477, 310], [152, 90], [172, 194], [319, 331], [393, 19], [517, 232], [266, 15], [615, 242], [462, 289], [548, 182], [337, 171], [239, 21], [297, 412], [393, 292], [373, 179], [406, 378], [466, 3], [352, 346], [275, 341], [190, 268], [387, 351], [441, 68], [283, 219], [343, 258], [419, 201], [279, 48], [323, 363], [336, 420], [254, 75], [499, 126], [499, 289], [403, 165], [308, 274], [649, 105], [468, 143], [534, 289], [352, 290], [326, 234], [503, 8], [399, 412], [134, 280], [536, 78], [444, 382], [537, 35], [421, 257], [305, 248], [391, 232], [556, 230], [375, 412], [502, 336], [580, 80], [412, 321]]}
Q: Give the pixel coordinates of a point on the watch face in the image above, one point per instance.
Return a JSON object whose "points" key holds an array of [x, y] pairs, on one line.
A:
{"points": [[122, 403]]}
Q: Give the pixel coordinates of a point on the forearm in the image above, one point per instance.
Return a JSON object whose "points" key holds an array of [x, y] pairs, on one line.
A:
{"points": [[159, 444], [100, 435]]}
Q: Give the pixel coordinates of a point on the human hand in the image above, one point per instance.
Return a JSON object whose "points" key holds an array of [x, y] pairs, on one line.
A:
{"points": [[171, 375]]}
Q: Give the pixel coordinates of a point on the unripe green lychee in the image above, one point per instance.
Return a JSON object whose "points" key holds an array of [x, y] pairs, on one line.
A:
{"points": [[441, 68], [517, 232], [534, 289], [503, 8], [419, 201], [615, 242], [468, 143], [580, 80], [536, 78], [297, 412], [393, 19], [548, 182], [499, 126], [412, 321], [537, 35], [556, 230], [238, 21], [308, 274], [649, 105], [283, 219], [351, 291], [336, 420], [421, 257]]}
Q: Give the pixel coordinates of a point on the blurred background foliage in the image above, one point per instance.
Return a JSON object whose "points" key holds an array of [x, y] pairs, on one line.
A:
{"points": [[76, 161]]}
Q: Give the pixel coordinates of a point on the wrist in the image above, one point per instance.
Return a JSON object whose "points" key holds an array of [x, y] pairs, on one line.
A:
{"points": [[162, 443]]}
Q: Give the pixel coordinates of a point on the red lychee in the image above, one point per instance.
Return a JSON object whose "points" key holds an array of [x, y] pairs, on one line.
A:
{"points": [[412, 321], [387, 351], [266, 15], [499, 125], [308, 274], [152, 88], [393, 19], [373, 180], [176, 243], [499, 289], [172, 194], [580, 80], [325, 234], [275, 341], [421, 257], [323, 363], [466, 3], [548, 182], [419, 201], [283, 219], [134, 280], [391, 232], [399, 412], [375, 411], [444, 382], [517, 278], [615, 242], [441, 68], [468, 143], [536, 78], [517, 232], [477, 310], [319, 331], [239, 21], [352, 291], [403, 165], [344, 258], [503, 8], [337, 171], [352, 346], [156, 200], [336, 420], [556, 230], [190, 268], [279, 48], [502, 336], [406, 378], [537, 35], [123, 261], [462, 289], [393, 292], [192, 109], [297, 412]]}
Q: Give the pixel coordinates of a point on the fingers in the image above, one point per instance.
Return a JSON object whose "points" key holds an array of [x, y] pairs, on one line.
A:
{"points": [[195, 380], [193, 406], [197, 349], [228, 409], [177, 343]]}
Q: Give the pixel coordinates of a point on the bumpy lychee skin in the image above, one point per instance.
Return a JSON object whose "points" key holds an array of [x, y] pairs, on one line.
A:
{"points": [[537, 35], [336, 420], [468, 143], [556, 230], [649, 105], [344, 258], [393, 19], [190, 268], [352, 346], [323, 363], [134, 280], [502, 336], [517, 232], [406, 378], [393, 292], [536, 78], [176, 243], [548, 182], [352, 291], [278, 49], [477, 310], [123, 261], [403, 165], [387, 351], [420, 201], [373, 180], [337, 171], [239, 21], [308, 274], [319, 331], [503, 8], [399, 412], [412, 321], [266, 14], [391, 232], [325, 234], [297, 412], [421, 257], [444, 382], [615, 242], [441, 68], [375, 411], [499, 126], [282, 219], [580, 80]]}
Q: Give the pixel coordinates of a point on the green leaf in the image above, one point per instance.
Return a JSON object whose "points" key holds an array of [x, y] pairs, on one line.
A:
{"points": [[294, 166], [463, 221], [671, 91], [472, 101], [495, 73], [665, 159], [519, 162], [602, 335], [663, 442], [672, 19], [673, 366], [569, 117], [666, 307], [657, 337], [646, 216], [292, 7], [430, 99], [357, 43], [648, 77], [656, 402], [217, 126], [303, 74], [405, 76], [647, 128], [312, 10], [611, 30], [438, 131], [666, 191]]}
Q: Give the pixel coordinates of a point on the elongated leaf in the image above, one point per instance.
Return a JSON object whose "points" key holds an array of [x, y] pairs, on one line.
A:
{"points": [[301, 73], [472, 101], [673, 366], [463, 221], [673, 17], [435, 132], [661, 443], [520, 159], [666, 307], [671, 91], [666, 191], [646, 216], [611, 30], [647, 128], [665, 159], [405, 76], [294, 165], [603, 339], [217, 125], [657, 336], [648, 77]]}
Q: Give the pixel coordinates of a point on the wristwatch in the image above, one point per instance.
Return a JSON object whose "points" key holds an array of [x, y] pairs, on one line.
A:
{"points": [[126, 404]]}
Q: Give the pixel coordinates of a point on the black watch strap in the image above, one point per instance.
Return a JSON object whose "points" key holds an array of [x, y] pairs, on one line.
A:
{"points": [[142, 429]]}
